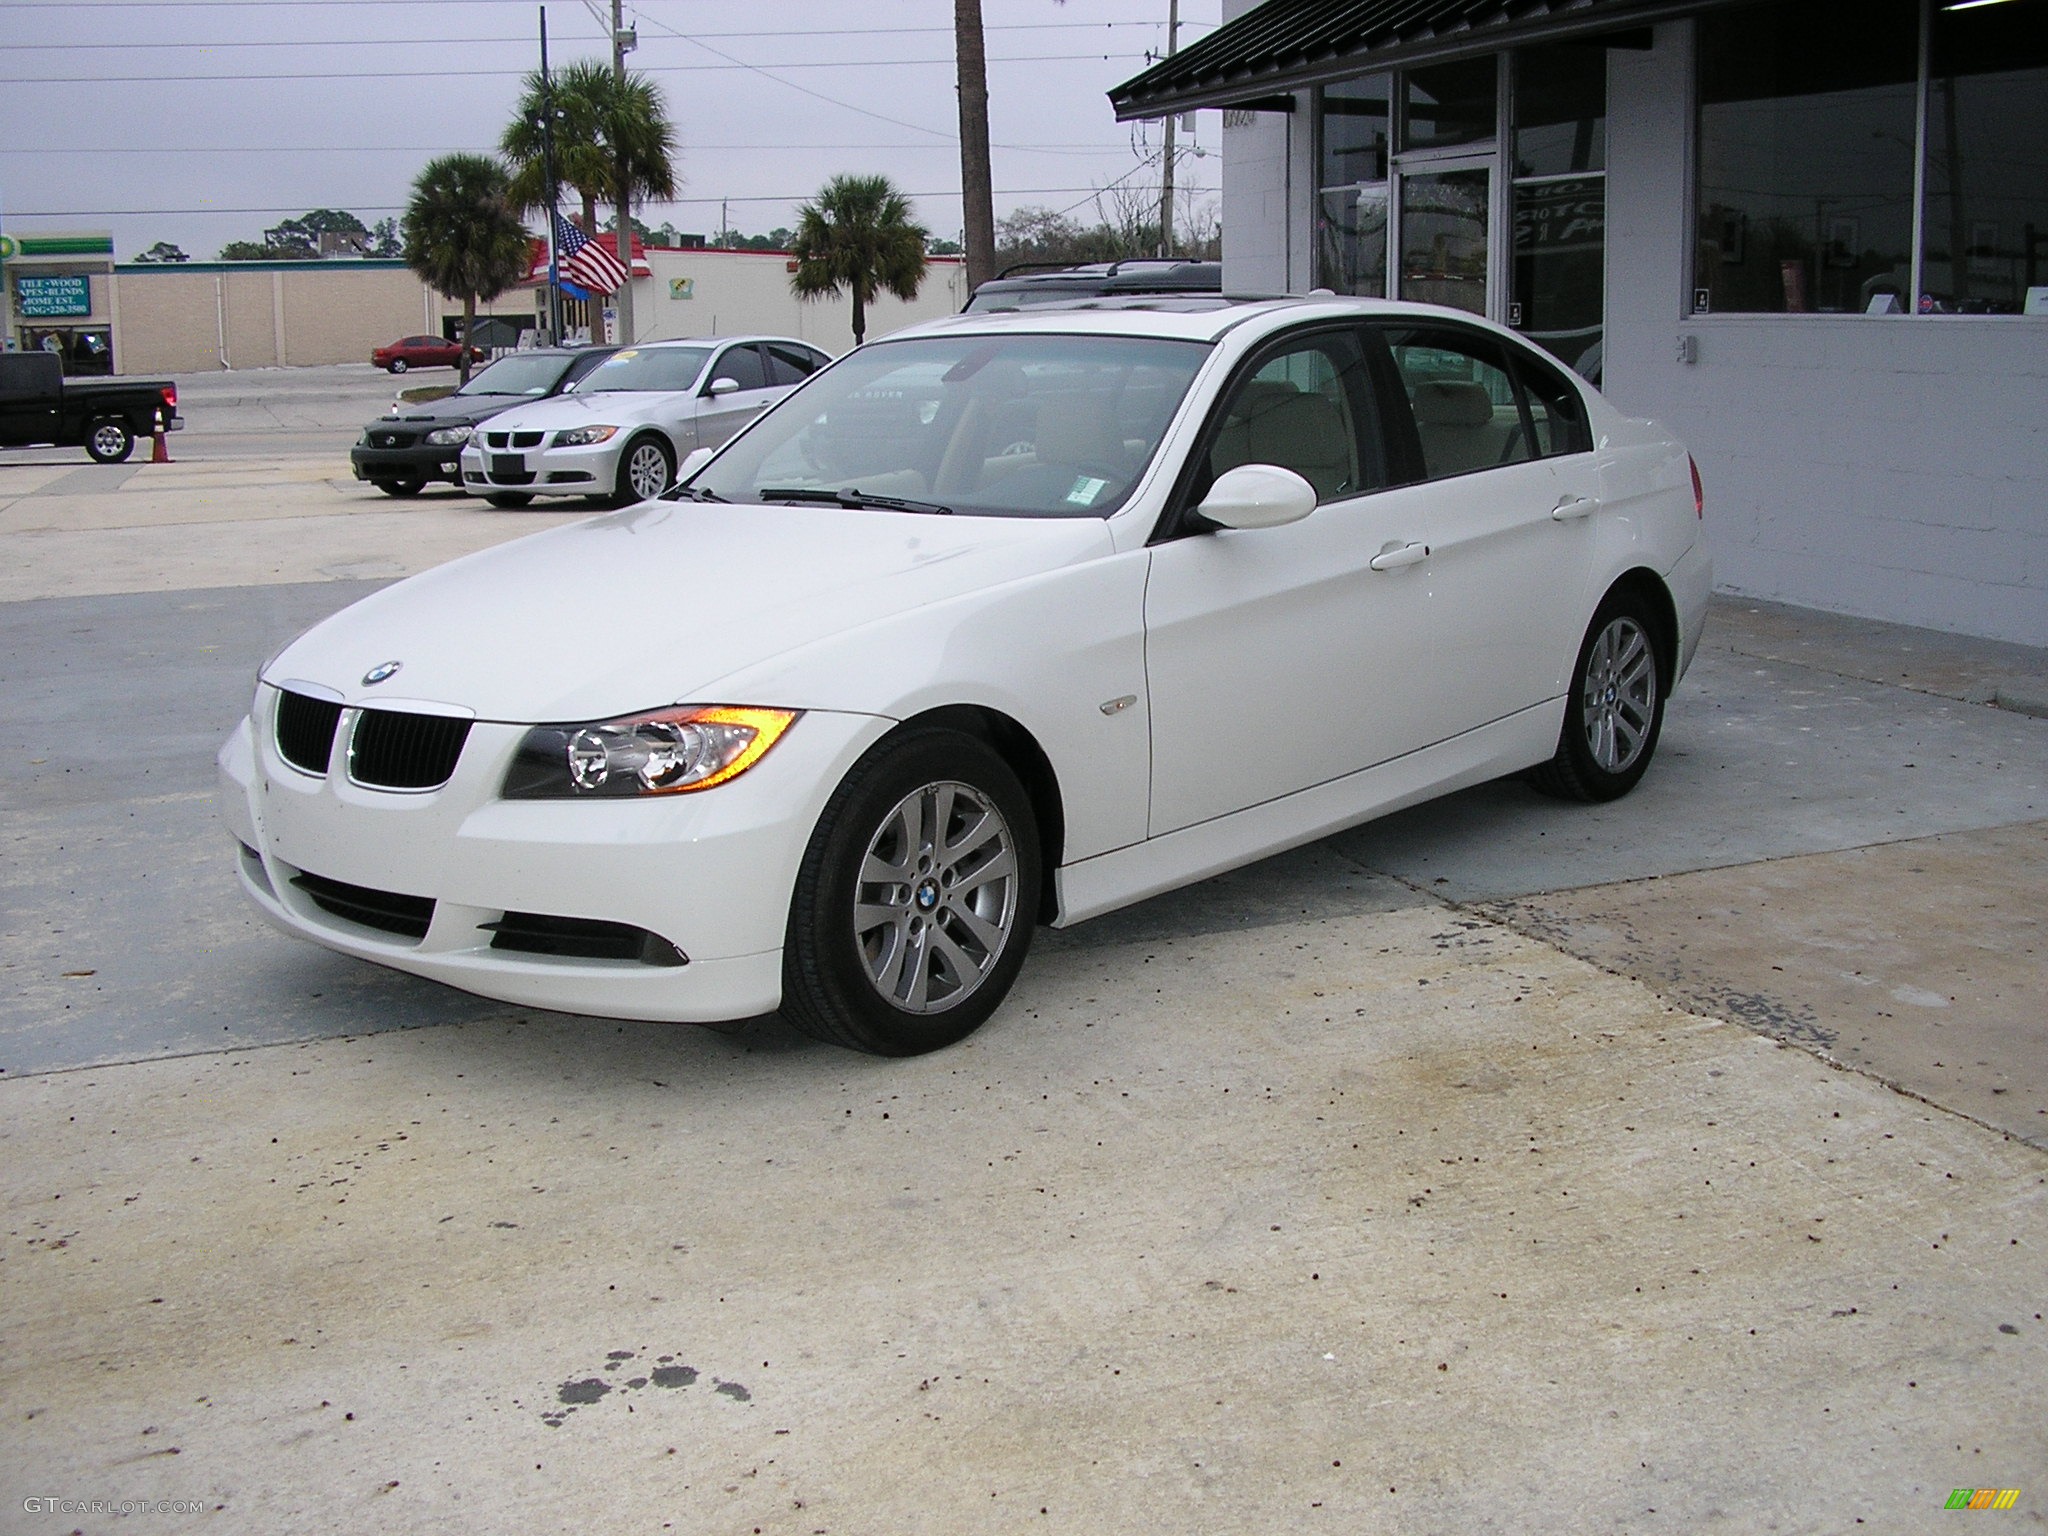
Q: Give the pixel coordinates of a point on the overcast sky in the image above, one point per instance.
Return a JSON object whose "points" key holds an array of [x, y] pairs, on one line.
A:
{"points": [[203, 121]]}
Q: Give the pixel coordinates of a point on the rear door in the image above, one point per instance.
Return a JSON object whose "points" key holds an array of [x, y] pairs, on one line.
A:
{"points": [[1511, 537]]}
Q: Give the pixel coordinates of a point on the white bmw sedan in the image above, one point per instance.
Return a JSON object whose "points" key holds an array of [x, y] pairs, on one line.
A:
{"points": [[1003, 620], [618, 433]]}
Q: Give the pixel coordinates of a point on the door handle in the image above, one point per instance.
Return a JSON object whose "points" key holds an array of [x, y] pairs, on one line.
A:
{"points": [[1394, 556], [1574, 507]]}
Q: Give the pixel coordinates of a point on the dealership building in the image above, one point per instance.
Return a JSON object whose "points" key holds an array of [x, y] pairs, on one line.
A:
{"points": [[1810, 235]]}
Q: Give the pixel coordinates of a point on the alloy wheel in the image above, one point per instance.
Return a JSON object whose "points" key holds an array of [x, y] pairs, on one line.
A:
{"points": [[935, 903], [1620, 699]]}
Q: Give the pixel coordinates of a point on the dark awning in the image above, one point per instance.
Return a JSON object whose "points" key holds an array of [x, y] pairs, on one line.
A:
{"points": [[1285, 44]]}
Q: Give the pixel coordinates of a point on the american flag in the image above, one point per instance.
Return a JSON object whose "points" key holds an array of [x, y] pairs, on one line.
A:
{"points": [[586, 262]]}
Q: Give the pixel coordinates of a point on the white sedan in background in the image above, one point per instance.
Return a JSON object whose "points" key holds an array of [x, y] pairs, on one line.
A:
{"points": [[1002, 620], [618, 434]]}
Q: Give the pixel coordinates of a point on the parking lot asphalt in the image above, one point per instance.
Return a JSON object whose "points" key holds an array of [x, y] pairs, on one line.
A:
{"points": [[1675, 1165]]}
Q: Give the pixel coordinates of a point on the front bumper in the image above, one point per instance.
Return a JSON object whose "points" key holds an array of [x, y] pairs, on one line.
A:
{"points": [[709, 873], [589, 471], [418, 462]]}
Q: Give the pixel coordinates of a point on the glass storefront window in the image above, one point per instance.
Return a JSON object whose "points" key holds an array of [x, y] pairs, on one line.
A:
{"points": [[1356, 123], [1560, 110], [1450, 104], [1985, 239], [1559, 294], [1807, 111], [1443, 238], [1352, 240]]}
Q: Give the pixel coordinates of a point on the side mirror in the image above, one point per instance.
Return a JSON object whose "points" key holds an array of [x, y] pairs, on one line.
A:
{"points": [[722, 386], [1258, 496], [693, 461]]}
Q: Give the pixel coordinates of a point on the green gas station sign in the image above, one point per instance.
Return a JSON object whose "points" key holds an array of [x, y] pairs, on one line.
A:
{"points": [[47, 298]]}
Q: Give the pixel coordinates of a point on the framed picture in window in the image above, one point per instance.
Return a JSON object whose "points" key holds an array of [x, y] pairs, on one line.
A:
{"points": [[1845, 235], [1733, 227]]}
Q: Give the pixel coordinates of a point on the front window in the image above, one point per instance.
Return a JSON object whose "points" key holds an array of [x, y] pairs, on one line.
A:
{"points": [[1007, 426], [517, 375], [645, 368], [1986, 239]]}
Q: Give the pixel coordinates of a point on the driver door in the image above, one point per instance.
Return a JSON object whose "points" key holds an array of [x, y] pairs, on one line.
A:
{"points": [[1281, 658], [719, 416]]}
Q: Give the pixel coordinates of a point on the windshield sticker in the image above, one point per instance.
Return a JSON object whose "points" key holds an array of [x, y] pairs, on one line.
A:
{"points": [[1086, 489]]}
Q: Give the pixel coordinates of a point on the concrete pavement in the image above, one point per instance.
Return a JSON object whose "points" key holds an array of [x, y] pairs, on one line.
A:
{"points": [[1500, 1166]]}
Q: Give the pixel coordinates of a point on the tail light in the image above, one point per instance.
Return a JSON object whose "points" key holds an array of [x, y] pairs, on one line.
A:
{"points": [[170, 394], [1699, 491]]}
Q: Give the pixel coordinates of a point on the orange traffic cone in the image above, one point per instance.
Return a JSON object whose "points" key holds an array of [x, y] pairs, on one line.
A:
{"points": [[159, 446]]}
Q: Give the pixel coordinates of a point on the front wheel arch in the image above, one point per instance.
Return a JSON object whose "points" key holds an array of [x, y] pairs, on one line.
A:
{"points": [[1019, 749]]}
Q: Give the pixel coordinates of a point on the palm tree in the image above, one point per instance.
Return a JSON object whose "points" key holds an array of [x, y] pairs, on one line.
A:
{"points": [[462, 236], [856, 235], [613, 139]]}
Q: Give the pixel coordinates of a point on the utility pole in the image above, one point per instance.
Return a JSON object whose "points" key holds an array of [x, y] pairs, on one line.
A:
{"points": [[1166, 174], [547, 165], [622, 40]]}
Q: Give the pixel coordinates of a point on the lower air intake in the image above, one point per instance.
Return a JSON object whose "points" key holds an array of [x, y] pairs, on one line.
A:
{"points": [[386, 911], [581, 938]]}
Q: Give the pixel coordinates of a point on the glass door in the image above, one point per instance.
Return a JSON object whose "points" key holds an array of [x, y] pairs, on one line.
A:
{"points": [[1445, 219]]}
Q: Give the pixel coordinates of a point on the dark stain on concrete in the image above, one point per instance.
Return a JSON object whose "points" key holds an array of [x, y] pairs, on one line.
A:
{"points": [[668, 1373]]}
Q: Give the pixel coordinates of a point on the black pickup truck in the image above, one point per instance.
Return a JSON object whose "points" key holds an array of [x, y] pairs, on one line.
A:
{"points": [[39, 407]]}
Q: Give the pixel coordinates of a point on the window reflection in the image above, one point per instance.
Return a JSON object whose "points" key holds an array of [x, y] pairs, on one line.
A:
{"points": [[1987, 160]]}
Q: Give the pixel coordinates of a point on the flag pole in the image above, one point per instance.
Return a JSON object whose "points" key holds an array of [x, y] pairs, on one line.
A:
{"points": [[547, 151]]}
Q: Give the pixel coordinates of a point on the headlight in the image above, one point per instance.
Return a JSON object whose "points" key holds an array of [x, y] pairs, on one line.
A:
{"points": [[447, 437], [476, 438], [665, 751], [583, 437]]}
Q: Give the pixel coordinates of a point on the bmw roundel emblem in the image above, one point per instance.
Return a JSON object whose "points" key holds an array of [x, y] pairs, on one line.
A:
{"points": [[384, 671]]}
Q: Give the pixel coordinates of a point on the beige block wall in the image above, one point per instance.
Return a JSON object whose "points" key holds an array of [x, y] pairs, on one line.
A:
{"points": [[338, 316], [748, 291], [174, 320], [194, 320]]}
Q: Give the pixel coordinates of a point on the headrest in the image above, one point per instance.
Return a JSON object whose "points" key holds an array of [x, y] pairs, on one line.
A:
{"points": [[1447, 403]]}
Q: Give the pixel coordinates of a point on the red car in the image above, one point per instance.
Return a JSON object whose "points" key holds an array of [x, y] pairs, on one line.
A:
{"points": [[423, 352]]}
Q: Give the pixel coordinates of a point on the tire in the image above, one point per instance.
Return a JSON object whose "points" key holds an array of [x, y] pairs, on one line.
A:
{"points": [[109, 440], [509, 499], [401, 488], [396, 365], [1614, 712], [898, 967], [646, 469]]}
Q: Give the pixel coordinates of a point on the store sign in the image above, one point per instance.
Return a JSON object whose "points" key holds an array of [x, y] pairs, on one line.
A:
{"points": [[44, 298]]}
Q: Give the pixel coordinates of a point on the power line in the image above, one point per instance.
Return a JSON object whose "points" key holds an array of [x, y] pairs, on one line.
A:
{"points": [[487, 149], [674, 202], [444, 74], [524, 41]]}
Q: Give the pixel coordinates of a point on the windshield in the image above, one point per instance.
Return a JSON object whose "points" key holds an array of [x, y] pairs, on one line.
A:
{"points": [[1004, 426], [517, 376], [652, 368]]}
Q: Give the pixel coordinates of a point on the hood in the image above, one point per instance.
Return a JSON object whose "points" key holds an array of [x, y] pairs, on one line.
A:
{"points": [[618, 407], [656, 604], [448, 410]]}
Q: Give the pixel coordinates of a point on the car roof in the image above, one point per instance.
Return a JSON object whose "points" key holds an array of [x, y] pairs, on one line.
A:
{"points": [[1206, 318], [710, 341]]}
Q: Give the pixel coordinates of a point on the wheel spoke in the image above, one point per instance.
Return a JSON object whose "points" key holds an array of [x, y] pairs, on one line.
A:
{"points": [[990, 936], [918, 959], [965, 968], [981, 830], [1000, 865], [869, 915]]}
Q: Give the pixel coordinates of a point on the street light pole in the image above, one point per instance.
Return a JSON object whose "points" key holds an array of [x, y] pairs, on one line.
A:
{"points": [[621, 40], [547, 164], [1166, 175]]}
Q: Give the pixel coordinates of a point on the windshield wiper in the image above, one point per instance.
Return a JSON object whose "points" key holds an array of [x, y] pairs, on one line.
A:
{"points": [[851, 497], [692, 493]]}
